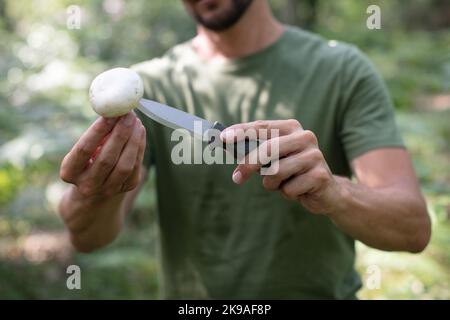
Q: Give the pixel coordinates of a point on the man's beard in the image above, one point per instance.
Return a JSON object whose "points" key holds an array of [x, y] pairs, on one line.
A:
{"points": [[227, 19]]}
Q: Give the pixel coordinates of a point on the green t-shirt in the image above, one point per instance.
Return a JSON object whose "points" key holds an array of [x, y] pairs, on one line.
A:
{"points": [[221, 240]]}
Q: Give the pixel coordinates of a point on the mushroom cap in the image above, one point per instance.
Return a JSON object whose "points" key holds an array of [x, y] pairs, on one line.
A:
{"points": [[116, 92]]}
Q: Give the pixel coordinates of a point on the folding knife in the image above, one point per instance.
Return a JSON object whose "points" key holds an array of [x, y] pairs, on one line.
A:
{"points": [[199, 128]]}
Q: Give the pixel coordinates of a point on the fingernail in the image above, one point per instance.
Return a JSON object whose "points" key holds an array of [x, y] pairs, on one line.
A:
{"points": [[237, 177], [128, 120]]}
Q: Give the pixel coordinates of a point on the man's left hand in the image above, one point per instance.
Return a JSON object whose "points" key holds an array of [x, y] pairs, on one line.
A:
{"points": [[302, 173]]}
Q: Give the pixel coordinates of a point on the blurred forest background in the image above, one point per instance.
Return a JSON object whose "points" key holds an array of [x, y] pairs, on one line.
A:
{"points": [[46, 68]]}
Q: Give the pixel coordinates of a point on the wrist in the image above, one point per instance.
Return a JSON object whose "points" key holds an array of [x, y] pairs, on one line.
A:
{"points": [[75, 209], [341, 196]]}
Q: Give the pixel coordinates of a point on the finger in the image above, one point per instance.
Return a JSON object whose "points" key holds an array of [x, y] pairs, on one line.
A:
{"points": [[260, 129], [305, 183], [297, 186], [273, 150], [294, 164], [127, 161], [110, 153], [77, 159], [133, 180], [142, 147]]}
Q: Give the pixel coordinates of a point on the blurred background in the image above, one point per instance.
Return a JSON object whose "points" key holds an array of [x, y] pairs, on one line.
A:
{"points": [[47, 60]]}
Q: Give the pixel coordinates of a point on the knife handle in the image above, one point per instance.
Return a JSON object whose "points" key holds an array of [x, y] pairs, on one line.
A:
{"points": [[241, 148]]}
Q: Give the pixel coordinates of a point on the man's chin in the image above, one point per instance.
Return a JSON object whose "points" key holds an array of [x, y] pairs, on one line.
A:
{"points": [[220, 19]]}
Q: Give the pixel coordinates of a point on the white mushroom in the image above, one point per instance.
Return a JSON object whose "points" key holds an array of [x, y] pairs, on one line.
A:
{"points": [[116, 92]]}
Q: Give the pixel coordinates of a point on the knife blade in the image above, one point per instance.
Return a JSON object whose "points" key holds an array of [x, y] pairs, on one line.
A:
{"points": [[178, 119], [175, 118]]}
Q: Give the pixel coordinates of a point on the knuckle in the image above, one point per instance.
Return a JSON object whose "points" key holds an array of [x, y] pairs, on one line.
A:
{"points": [[288, 195], [86, 190], [288, 191], [105, 163], [82, 150], [124, 170], [309, 136], [261, 124], [320, 175], [297, 135], [269, 183], [315, 155], [293, 123]]}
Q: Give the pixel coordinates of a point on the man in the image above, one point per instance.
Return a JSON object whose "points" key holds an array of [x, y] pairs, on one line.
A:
{"points": [[288, 235]]}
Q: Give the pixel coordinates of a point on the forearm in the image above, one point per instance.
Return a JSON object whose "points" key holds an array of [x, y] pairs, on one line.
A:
{"points": [[384, 218], [385, 209], [92, 222]]}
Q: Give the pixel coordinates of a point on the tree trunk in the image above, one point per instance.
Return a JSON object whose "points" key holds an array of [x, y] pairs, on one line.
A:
{"points": [[311, 14]]}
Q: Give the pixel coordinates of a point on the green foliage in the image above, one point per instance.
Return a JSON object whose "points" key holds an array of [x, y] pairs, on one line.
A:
{"points": [[412, 62], [424, 276], [11, 179]]}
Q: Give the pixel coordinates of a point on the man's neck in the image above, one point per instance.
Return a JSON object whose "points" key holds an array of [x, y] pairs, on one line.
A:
{"points": [[256, 30]]}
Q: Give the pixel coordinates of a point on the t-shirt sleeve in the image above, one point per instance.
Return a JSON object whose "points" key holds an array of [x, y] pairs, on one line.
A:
{"points": [[149, 159], [367, 117]]}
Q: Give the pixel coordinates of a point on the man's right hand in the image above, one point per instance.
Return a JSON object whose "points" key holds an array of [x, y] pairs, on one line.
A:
{"points": [[104, 167], [107, 158]]}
